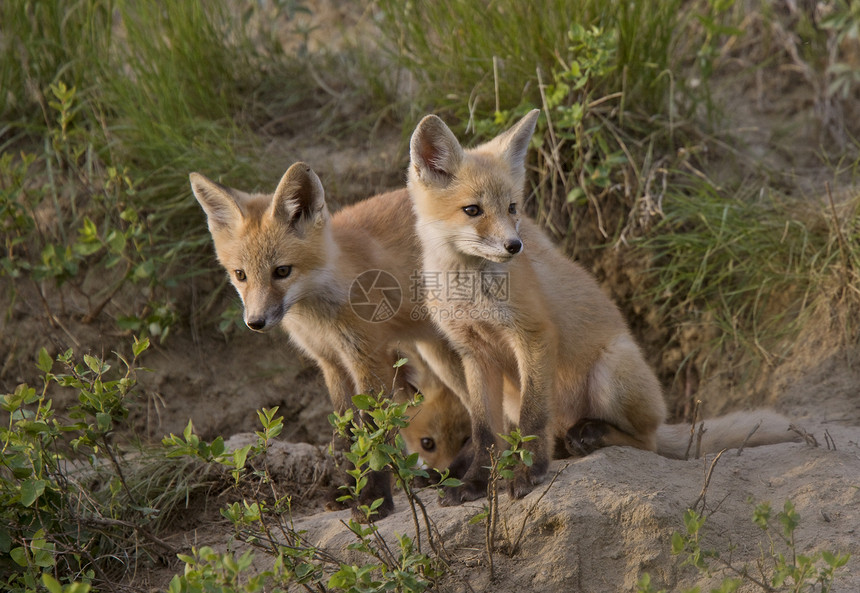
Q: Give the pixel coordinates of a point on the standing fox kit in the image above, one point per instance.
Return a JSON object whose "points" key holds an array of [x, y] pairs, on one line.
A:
{"points": [[535, 318], [293, 265]]}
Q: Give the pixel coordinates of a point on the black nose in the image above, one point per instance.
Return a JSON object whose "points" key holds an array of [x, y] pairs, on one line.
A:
{"points": [[256, 324], [513, 246]]}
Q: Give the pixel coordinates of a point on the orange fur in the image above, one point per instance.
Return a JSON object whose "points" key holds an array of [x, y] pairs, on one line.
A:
{"points": [[440, 425], [293, 264], [583, 382]]}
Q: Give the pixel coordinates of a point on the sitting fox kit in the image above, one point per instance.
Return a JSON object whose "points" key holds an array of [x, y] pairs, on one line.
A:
{"points": [[536, 319], [293, 264], [551, 329]]}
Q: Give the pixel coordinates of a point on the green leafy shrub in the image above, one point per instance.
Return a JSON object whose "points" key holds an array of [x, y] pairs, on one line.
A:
{"points": [[265, 520], [780, 568], [71, 495]]}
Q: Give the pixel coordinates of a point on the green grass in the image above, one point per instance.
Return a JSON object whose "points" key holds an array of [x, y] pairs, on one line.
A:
{"points": [[472, 59], [752, 267], [612, 79], [43, 43], [113, 103]]}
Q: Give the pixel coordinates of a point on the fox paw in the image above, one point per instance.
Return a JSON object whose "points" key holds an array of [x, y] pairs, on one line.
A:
{"points": [[331, 500], [586, 436], [467, 491], [433, 478], [526, 478]]}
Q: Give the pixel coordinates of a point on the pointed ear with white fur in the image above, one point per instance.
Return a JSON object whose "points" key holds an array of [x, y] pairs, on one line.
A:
{"points": [[299, 198], [223, 211], [434, 151], [514, 142]]}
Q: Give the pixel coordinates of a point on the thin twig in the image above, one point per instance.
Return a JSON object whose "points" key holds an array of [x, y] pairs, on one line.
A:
{"points": [[105, 521], [831, 444], [94, 312], [433, 534], [492, 509], [496, 81], [554, 153], [53, 319], [808, 437], [410, 497], [693, 427], [843, 244], [699, 435], [707, 481], [749, 436]]}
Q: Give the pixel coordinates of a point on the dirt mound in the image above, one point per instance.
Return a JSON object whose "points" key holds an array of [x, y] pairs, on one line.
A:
{"points": [[608, 518]]}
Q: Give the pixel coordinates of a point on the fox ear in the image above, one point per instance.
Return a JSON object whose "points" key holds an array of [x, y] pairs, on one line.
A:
{"points": [[513, 143], [434, 151], [223, 211], [299, 197]]}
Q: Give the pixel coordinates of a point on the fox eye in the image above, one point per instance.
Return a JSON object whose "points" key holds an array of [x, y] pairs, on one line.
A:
{"points": [[472, 210], [428, 444], [240, 275], [282, 271], [512, 209]]}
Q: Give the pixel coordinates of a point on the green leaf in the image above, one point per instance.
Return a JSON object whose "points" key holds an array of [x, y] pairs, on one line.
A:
{"points": [[103, 421], [835, 560], [43, 553], [144, 270], [240, 456], [31, 490], [139, 346], [116, 240], [480, 516], [378, 460], [45, 363], [19, 555], [93, 363], [51, 584], [217, 447], [189, 430], [362, 401]]}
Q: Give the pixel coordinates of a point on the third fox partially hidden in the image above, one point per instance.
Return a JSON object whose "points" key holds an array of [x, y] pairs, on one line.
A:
{"points": [[582, 380]]}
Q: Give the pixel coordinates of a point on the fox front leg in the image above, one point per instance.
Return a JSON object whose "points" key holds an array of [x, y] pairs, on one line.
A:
{"points": [[374, 374], [485, 408], [339, 384], [535, 357], [341, 389]]}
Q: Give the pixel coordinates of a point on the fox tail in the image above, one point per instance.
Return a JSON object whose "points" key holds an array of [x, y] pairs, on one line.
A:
{"points": [[748, 429]]}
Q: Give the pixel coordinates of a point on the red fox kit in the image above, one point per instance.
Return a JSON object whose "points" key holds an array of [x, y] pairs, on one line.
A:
{"points": [[440, 425], [533, 317], [294, 265]]}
